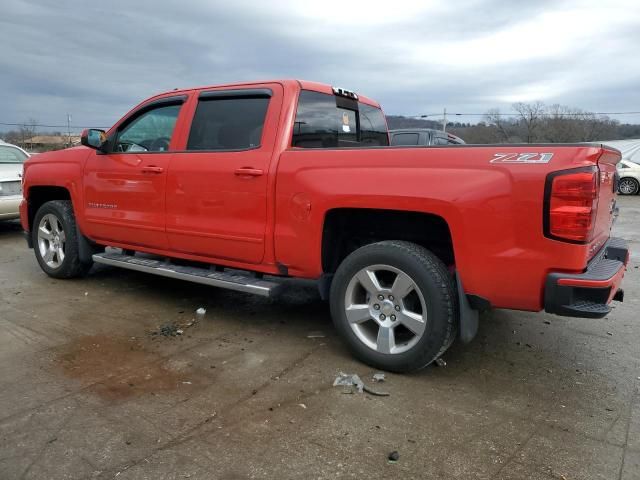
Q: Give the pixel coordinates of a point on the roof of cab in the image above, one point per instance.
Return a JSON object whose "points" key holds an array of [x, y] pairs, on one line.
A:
{"points": [[302, 84]]}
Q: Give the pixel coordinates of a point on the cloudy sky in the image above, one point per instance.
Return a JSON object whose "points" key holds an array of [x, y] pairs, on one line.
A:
{"points": [[95, 60]]}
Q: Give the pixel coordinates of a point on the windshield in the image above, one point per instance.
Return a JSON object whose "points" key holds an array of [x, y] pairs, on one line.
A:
{"points": [[11, 155]]}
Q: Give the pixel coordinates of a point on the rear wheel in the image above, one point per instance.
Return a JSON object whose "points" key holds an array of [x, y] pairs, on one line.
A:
{"points": [[55, 240], [628, 186], [395, 304]]}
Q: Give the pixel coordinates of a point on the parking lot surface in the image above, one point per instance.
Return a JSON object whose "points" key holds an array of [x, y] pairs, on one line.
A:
{"points": [[93, 387]]}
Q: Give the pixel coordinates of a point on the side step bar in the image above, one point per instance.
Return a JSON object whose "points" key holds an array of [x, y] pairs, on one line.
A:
{"points": [[231, 281]]}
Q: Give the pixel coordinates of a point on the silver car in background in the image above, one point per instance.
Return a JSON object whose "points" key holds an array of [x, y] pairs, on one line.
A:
{"points": [[629, 174], [11, 159]]}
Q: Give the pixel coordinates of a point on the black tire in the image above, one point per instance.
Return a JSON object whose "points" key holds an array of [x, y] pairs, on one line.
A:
{"points": [[632, 186], [433, 280], [71, 266]]}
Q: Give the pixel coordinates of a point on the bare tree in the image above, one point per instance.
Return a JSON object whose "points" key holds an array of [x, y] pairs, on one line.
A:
{"points": [[530, 117], [504, 128], [27, 130]]}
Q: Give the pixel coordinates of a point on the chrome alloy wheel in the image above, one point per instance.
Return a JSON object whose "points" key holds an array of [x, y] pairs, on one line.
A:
{"points": [[385, 309], [628, 186], [51, 241]]}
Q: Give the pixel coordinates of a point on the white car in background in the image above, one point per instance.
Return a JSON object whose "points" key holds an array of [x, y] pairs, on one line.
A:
{"points": [[11, 159], [629, 174]]}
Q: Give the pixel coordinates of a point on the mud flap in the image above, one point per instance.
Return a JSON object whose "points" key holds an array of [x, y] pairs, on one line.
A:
{"points": [[468, 316], [85, 249]]}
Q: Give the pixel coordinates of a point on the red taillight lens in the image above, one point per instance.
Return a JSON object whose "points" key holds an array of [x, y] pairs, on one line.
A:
{"points": [[572, 201]]}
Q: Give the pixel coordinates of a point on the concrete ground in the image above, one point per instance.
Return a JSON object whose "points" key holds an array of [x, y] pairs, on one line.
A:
{"points": [[88, 392]]}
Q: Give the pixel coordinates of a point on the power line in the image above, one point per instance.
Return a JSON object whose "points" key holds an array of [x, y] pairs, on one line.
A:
{"points": [[75, 127], [518, 114]]}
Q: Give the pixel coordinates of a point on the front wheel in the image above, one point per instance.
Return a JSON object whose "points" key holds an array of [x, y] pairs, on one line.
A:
{"points": [[629, 186], [55, 240], [395, 304]]}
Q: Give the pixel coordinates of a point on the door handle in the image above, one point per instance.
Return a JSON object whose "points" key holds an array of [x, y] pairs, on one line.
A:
{"points": [[248, 172], [152, 169]]}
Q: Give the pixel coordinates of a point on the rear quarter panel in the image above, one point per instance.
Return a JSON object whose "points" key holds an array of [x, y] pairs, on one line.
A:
{"points": [[494, 210]]}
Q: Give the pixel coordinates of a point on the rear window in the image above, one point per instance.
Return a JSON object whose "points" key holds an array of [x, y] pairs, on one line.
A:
{"points": [[11, 155], [321, 122]]}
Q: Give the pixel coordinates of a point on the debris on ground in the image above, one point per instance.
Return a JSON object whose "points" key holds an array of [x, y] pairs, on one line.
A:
{"points": [[172, 329], [345, 380], [316, 334], [610, 334], [440, 362], [201, 311], [378, 377], [349, 381], [302, 405], [393, 457]]}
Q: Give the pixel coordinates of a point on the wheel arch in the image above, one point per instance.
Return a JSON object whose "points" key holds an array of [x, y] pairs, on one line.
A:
{"points": [[347, 229], [38, 195]]}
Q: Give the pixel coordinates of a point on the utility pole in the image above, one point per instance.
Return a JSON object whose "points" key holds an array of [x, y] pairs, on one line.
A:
{"points": [[444, 120], [69, 128]]}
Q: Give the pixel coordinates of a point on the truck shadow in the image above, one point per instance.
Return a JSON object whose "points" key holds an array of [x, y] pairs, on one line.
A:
{"points": [[10, 228]]}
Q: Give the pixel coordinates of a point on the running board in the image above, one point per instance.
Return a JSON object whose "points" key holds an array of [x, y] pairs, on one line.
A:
{"points": [[231, 281]]}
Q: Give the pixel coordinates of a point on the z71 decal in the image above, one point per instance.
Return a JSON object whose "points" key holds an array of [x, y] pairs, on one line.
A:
{"points": [[522, 157]]}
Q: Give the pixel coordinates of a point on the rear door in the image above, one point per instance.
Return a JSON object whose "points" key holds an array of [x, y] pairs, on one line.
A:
{"points": [[124, 189], [217, 187]]}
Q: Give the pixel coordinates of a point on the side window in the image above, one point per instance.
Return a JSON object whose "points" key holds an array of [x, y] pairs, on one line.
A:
{"points": [[149, 132], [405, 139], [440, 141], [223, 123]]}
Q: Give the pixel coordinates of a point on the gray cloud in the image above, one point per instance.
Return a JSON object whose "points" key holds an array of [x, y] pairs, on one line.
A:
{"points": [[96, 61]]}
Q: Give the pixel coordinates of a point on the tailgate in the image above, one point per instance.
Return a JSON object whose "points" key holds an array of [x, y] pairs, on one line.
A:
{"points": [[606, 199]]}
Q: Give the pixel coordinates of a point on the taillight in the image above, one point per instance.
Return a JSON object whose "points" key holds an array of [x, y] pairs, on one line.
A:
{"points": [[571, 201]]}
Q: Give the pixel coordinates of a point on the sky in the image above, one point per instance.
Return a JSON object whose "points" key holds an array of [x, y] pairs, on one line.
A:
{"points": [[96, 60]]}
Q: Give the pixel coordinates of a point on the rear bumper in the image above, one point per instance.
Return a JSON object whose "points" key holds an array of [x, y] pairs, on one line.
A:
{"points": [[588, 294]]}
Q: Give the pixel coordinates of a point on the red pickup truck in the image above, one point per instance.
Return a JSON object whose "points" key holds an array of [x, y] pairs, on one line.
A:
{"points": [[238, 185]]}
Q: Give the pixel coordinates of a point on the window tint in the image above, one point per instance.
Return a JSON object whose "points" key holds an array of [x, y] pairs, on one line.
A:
{"points": [[228, 123], [320, 123], [11, 155], [404, 139], [150, 132], [373, 126]]}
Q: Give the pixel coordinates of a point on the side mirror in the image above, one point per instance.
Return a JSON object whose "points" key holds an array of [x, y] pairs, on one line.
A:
{"points": [[93, 138]]}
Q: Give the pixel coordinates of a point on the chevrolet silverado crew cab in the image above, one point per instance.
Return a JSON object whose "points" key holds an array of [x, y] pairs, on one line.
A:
{"points": [[237, 186]]}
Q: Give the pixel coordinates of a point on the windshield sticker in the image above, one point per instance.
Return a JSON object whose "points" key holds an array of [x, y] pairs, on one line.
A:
{"points": [[345, 123]]}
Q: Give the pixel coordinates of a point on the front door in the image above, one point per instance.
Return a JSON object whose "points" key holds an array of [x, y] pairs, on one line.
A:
{"points": [[217, 188], [124, 189]]}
